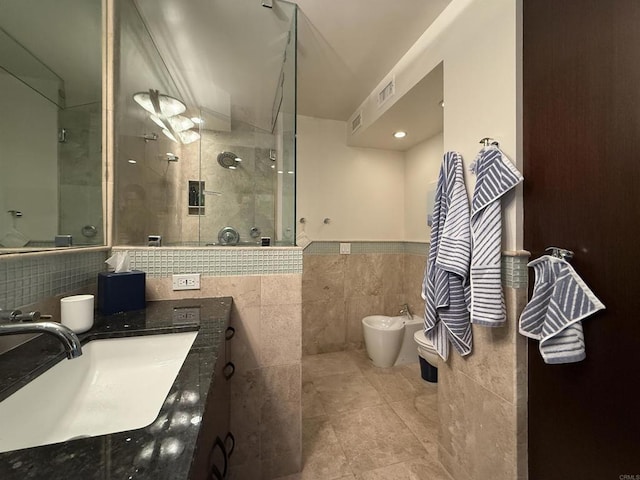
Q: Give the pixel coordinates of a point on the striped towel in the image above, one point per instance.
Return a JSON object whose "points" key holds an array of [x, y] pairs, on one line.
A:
{"points": [[445, 288], [495, 175], [559, 302]]}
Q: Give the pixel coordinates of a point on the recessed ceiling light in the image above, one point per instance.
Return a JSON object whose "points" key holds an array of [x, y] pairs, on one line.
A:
{"points": [[131, 161], [441, 103], [400, 134]]}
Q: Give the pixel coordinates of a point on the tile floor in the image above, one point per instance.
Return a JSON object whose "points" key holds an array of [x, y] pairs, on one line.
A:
{"points": [[360, 422]]}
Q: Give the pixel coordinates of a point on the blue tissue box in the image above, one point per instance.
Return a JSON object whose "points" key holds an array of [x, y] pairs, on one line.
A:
{"points": [[121, 292]]}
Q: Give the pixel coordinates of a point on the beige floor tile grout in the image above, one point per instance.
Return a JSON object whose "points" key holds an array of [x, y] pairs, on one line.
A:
{"points": [[316, 373]]}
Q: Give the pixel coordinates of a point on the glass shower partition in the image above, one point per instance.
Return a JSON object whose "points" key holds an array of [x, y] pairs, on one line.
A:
{"points": [[234, 182]]}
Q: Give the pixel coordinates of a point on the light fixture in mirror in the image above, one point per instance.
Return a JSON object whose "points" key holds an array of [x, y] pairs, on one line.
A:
{"points": [[166, 106], [179, 123], [189, 136], [170, 135]]}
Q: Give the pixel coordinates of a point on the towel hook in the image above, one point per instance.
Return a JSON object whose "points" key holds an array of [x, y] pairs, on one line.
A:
{"points": [[558, 252], [487, 141]]}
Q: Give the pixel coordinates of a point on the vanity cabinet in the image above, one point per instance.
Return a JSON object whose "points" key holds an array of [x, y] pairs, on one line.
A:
{"points": [[216, 443]]}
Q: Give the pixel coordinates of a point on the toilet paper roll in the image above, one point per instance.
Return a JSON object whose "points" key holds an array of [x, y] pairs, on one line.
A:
{"points": [[77, 312]]}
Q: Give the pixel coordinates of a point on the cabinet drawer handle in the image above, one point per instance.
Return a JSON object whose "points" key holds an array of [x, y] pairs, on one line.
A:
{"points": [[230, 333], [214, 473], [231, 438], [229, 370]]}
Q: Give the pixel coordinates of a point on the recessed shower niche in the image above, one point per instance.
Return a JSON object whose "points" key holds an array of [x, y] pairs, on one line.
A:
{"points": [[196, 198], [235, 154]]}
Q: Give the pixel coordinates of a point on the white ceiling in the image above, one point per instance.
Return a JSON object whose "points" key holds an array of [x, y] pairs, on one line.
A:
{"points": [[65, 35], [217, 53], [346, 47], [418, 113]]}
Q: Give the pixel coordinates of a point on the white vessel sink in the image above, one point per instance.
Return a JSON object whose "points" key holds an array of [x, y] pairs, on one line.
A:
{"points": [[117, 384]]}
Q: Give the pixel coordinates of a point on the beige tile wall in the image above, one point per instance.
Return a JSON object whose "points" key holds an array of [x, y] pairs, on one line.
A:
{"points": [[267, 389], [482, 402], [481, 398], [339, 290]]}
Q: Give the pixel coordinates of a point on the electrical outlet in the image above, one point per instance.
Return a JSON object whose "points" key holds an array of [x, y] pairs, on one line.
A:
{"points": [[186, 281], [182, 315], [345, 248]]}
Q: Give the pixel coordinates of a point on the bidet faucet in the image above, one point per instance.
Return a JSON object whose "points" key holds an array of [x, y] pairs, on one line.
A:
{"points": [[14, 322], [406, 311]]}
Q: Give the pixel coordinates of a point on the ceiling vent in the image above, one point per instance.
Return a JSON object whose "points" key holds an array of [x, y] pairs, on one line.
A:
{"points": [[386, 92], [356, 122]]}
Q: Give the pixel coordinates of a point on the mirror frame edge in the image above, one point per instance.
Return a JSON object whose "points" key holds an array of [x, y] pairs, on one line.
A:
{"points": [[108, 137]]}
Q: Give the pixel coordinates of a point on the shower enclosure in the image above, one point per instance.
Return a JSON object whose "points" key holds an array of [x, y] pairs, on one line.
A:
{"points": [[205, 153]]}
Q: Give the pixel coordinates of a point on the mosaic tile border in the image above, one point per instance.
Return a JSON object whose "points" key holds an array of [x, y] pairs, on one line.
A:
{"points": [[215, 262], [27, 278], [362, 247], [515, 273]]}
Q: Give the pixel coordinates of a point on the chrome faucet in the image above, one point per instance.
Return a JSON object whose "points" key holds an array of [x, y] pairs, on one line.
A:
{"points": [[406, 311], [14, 322]]}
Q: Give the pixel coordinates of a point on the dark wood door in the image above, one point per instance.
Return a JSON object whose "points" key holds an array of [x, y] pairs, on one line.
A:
{"points": [[581, 77]]}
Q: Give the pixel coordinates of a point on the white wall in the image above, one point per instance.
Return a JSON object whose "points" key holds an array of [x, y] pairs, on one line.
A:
{"points": [[478, 42], [480, 91], [360, 189], [422, 166], [28, 159]]}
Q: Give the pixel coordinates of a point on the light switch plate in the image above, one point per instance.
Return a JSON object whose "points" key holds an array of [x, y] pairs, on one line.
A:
{"points": [[345, 248]]}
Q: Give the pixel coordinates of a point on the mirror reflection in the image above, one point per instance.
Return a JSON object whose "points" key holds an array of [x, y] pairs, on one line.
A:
{"points": [[204, 124], [50, 124]]}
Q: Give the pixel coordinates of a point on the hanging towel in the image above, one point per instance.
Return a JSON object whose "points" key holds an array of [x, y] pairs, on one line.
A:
{"points": [[445, 288], [559, 302], [495, 176]]}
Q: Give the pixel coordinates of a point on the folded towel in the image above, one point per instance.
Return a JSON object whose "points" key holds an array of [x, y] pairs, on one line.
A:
{"points": [[559, 302]]}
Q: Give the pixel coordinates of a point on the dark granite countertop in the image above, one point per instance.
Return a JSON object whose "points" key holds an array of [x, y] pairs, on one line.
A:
{"points": [[164, 449]]}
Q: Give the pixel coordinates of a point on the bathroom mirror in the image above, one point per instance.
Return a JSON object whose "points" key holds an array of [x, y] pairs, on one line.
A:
{"points": [[50, 124]]}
